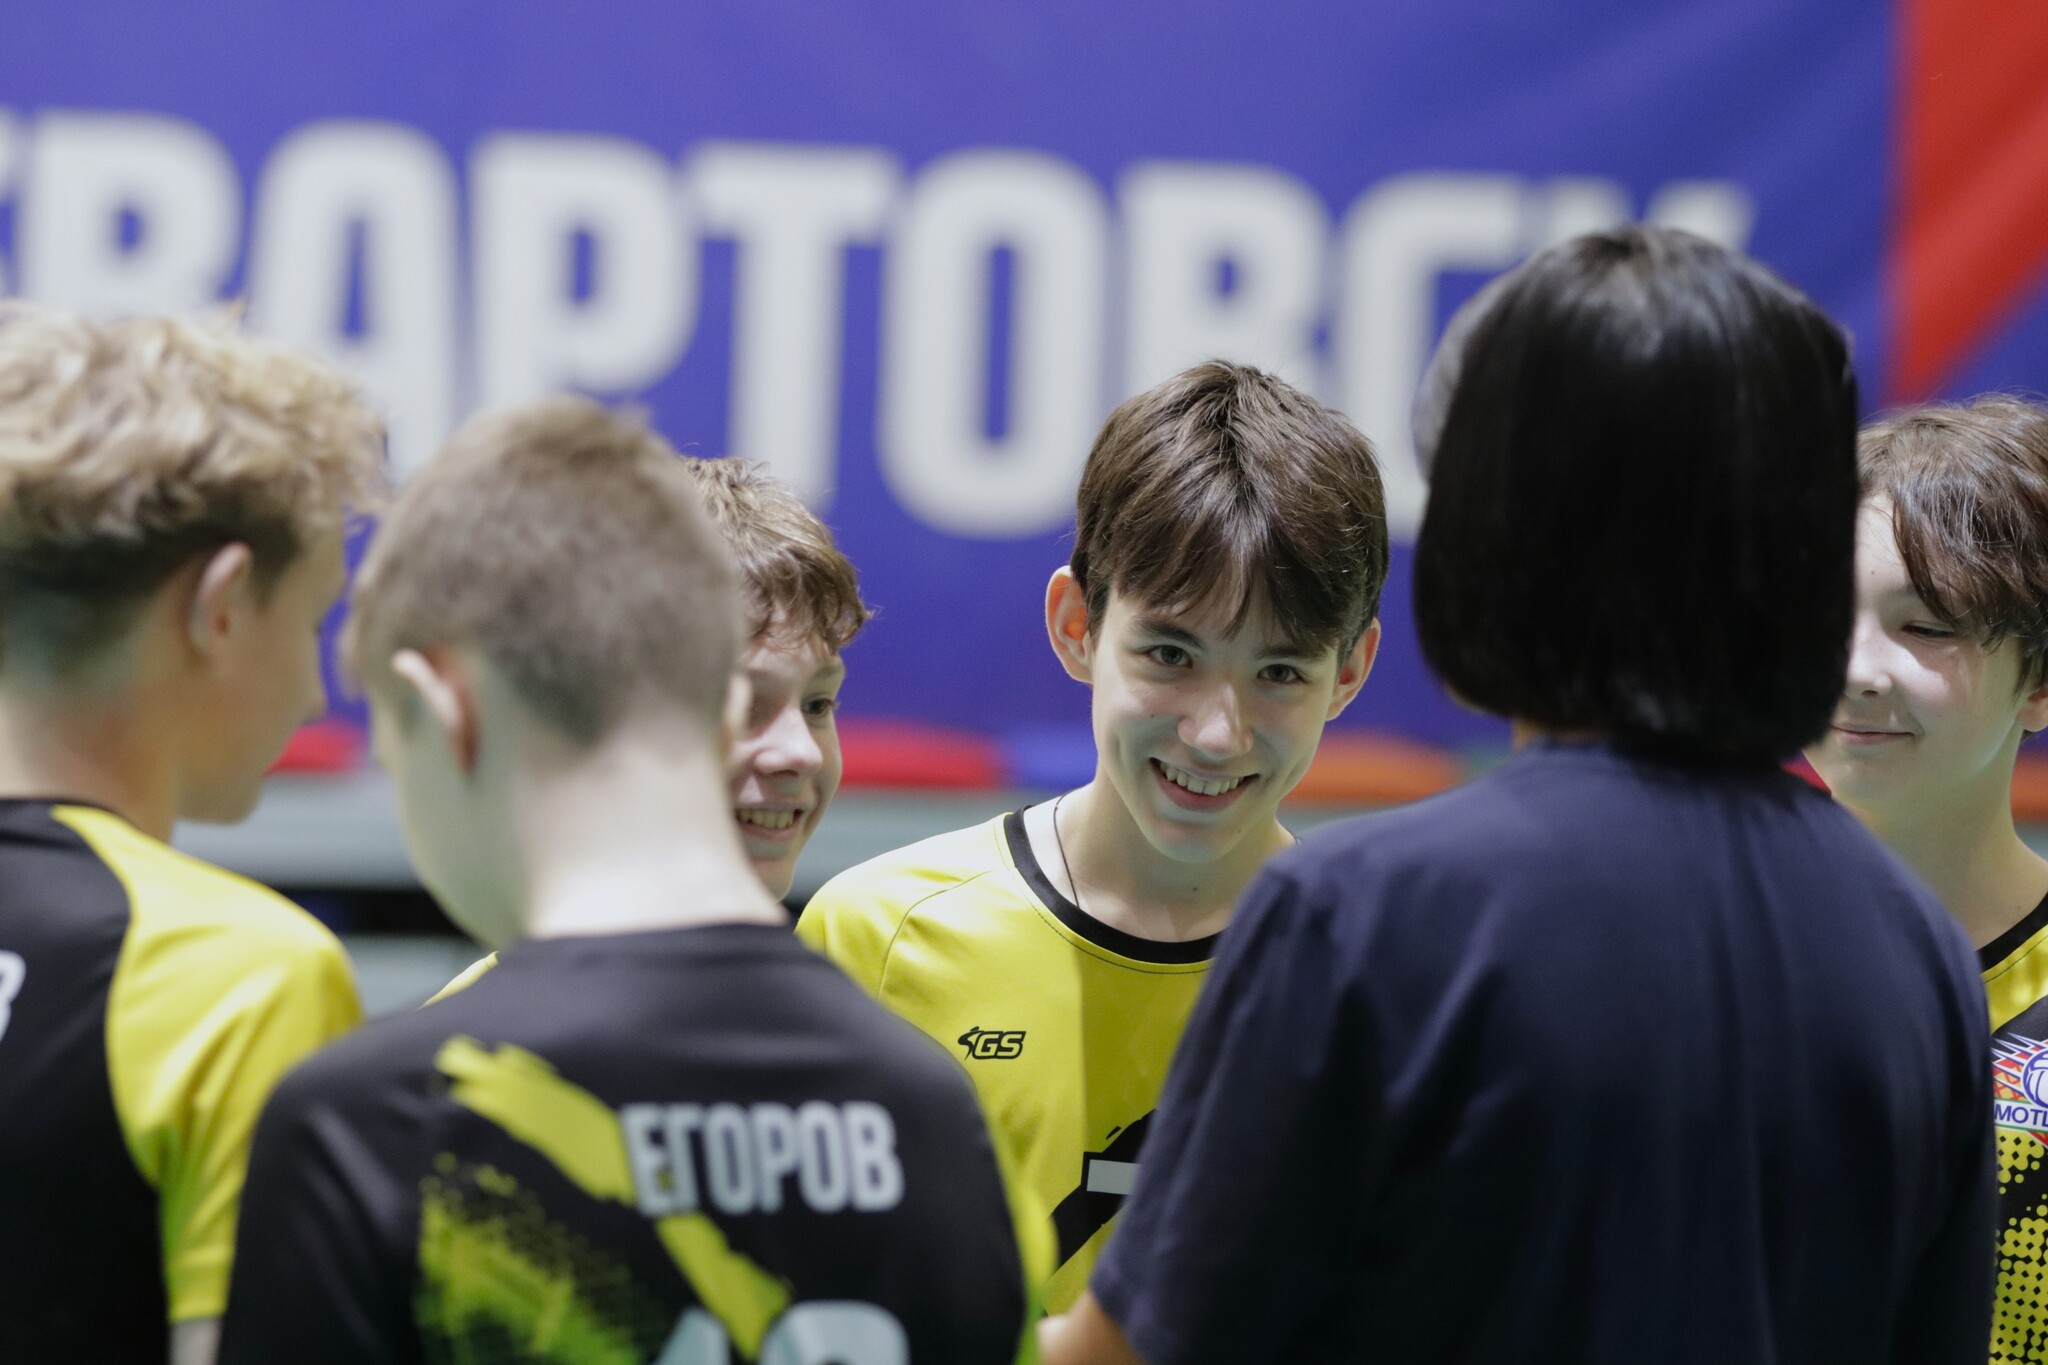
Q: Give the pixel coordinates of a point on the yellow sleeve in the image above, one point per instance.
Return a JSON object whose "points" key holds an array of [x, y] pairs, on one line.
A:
{"points": [[1032, 1222], [222, 987], [853, 920], [466, 978]]}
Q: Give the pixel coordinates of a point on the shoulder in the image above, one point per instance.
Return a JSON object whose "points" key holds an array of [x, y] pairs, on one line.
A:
{"points": [[365, 1070], [182, 902], [883, 891]]}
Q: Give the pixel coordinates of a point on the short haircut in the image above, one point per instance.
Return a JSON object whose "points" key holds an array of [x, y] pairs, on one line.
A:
{"points": [[798, 585], [129, 449], [1226, 480], [569, 546], [1643, 505], [1968, 485]]}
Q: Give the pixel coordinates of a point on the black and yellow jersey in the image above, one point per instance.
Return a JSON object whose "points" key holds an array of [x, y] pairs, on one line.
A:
{"points": [[149, 1003], [1065, 1024], [2016, 981], [694, 1145]]}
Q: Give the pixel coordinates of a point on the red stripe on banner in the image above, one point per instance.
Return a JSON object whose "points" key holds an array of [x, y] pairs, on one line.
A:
{"points": [[884, 753], [1972, 234]]}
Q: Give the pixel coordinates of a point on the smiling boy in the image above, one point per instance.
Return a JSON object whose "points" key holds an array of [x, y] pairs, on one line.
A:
{"points": [[803, 606], [661, 1129], [1221, 604], [1947, 674]]}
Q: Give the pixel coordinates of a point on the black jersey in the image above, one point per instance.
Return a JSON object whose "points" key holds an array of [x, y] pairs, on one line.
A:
{"points": [[695, 1145], [148, 1004]]}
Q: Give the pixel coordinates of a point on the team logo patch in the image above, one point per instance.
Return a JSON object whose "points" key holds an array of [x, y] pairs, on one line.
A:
{"points": [[993, 1045], [2019, 1084]]}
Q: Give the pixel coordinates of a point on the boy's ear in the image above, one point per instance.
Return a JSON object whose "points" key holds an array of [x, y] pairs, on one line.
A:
{"points": [[1066, 625], [2034, 708], [441, 684], [220, 591], [1353, 669]]}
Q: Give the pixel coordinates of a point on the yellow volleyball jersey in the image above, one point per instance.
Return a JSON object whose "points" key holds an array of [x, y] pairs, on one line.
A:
{"points": [[1065, 1024], [149, 1003], [2016, 982]]}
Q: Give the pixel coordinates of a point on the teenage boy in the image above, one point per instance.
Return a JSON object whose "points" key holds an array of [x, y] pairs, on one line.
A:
{"points": [[172, 503], [1221, 603], [1948, 672], [660, 1128], [1635, 1047], [803, 607]]}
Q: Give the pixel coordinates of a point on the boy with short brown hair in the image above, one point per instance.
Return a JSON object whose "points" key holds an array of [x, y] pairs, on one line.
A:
{"points": [[1221, 603], [660, 1128], [173, 499], [802, 604], [1948, 673], [803, 607]]}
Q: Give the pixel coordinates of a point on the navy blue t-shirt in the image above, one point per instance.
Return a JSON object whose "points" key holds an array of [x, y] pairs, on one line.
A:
{"points": [[1592, 1060]]}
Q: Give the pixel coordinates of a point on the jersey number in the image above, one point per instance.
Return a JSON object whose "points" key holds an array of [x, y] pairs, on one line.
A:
{"points": [[13, 971], [828, 1332]]}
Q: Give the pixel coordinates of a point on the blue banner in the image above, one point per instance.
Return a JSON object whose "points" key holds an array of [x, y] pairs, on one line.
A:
{"points": [[911, 253]]}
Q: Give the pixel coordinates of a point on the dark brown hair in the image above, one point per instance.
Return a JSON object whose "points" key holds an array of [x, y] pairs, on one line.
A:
{"points": [[1226, 479], [798, 584], [1968, 485], [1642, 511], [571, 548]]}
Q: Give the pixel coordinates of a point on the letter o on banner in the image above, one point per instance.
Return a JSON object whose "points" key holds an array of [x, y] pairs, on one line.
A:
{"points": [[935, 450]]}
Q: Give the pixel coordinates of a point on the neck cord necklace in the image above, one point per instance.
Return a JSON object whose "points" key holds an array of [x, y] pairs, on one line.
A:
{"points": [[1073, 886]]}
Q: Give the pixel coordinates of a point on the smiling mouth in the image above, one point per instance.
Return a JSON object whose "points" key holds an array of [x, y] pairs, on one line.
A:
{"points": [[1856, 732], [1187, 781], [772, 821]]}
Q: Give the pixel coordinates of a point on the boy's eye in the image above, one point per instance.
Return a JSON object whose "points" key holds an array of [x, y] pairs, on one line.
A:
{"points": [[1282, 673], [818, 708], [1928, 631], [1171, 656]]}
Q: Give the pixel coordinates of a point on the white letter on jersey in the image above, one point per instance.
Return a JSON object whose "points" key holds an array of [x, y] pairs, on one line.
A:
{"points": [[871, 1155], [821, 1147], [828, 1332], [774, 1151], [651, 1165], [836, 1332], [729, 1159], [13, 971]]}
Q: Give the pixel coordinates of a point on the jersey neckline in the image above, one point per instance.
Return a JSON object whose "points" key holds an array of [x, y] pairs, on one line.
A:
{"points": [[1151, 950], [1994, 953]]}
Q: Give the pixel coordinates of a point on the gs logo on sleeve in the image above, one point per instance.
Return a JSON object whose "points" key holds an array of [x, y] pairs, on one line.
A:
{"points": [[991, 1045]]}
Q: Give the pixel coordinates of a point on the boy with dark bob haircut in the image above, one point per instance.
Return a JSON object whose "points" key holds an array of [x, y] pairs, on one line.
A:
{"points": [[1635, 1047], [660, 1128], [173, 500], [1948, 673], [1222, 605]]}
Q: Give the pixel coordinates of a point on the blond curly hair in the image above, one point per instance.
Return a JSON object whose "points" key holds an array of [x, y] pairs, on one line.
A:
{"points": [[129, 448]]}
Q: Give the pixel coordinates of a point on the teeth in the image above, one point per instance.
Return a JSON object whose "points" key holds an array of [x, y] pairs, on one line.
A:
{"points": [[766, 819], [1182, 778]]}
